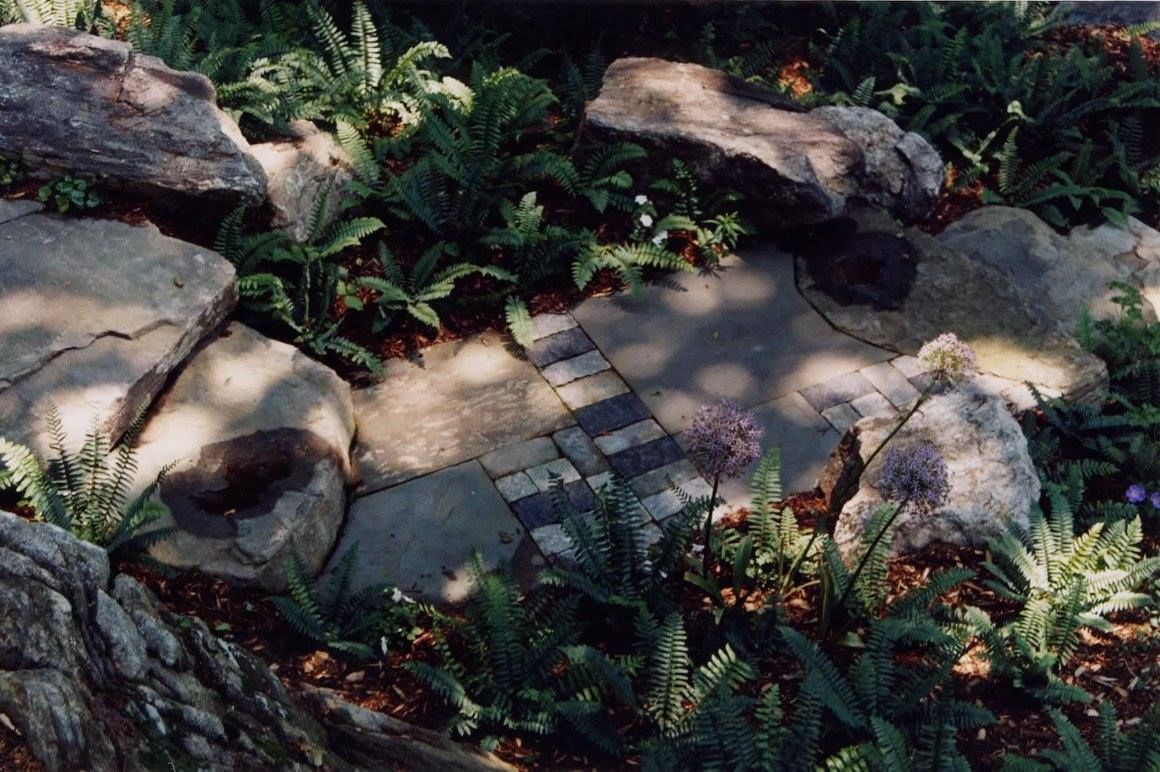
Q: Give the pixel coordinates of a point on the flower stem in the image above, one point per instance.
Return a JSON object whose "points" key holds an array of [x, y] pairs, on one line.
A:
{"points": [[917, 404], [706, 558], [870, 551]]}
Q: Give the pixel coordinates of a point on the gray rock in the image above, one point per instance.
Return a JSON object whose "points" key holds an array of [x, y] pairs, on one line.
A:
{"points": [[1065, 274], [993, 481], [260, 436], [794, 168], [72, 103], [903, 172], [298, 170], [949, 291], [86, 687], [95, 315]]}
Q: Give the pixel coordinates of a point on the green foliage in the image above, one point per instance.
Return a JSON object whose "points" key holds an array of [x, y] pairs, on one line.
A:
{"points": [[1114, 749], [73, 14], [86, 492], [11, 172], [298, 284], [1061, 582], [69, 192], [328, 610]]}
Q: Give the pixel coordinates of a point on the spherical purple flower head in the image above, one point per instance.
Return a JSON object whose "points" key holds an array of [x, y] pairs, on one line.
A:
{"points": [[1135, 494], [1155, 500], [916, 474], [949, 359], [723, 440]]}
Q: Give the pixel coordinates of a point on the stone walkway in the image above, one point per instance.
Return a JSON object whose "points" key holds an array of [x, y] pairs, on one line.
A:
{"points": [[446, 441]]}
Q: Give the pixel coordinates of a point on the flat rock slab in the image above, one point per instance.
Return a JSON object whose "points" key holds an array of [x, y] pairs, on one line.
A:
{"points": [[908, 287], [419, 535], [72, 103], [94, 315], [743, 333], [260, 437], [461, 400]]}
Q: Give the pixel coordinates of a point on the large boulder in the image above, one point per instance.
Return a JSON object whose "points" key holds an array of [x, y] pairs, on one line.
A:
{"points": [[72, 103], [260, 437], [97, 675], [299, 170], [899, 287], [993, 482], [94, 315], [793, 167], [1067, 274]]}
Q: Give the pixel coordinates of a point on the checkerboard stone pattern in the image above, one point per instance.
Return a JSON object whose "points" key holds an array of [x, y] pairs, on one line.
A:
{"points": [[615, 434]]}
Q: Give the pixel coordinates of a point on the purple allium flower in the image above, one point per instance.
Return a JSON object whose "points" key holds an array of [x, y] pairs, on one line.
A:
{"points": [[723, 440], [1155, 500], [950, 360], [916, 474], [1135, 494]]}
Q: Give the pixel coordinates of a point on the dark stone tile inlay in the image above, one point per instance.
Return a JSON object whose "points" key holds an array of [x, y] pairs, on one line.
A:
{"points": [[536, 511], [611, 414], [644, 458], [562, 345]]}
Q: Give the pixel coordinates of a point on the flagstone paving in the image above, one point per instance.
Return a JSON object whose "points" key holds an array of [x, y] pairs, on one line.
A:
{"points": [[460, 450]]}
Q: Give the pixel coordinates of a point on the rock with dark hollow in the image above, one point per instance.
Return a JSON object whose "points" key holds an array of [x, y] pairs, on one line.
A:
{"points": [[260, 436], [993, 481], [94, 315], [72, 103], [96, 674], [793, 167], [899, 287]]}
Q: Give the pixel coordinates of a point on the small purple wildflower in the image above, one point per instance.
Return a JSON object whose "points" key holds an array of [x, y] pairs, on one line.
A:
{"points": [[723, 440], [950, 360], [1155, 500], [917, 475], [1135, 494]]}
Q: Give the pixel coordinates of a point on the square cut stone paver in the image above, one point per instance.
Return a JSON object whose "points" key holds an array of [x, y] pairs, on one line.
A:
{"points": [[908, 365], [578, 448], [463, 399], [804, 438], [590, 390], [598, 481], [536, 511], [892, 383], [522, 455], [419, 535], [629, 436], [637, 460], [551, 539], [843, 388], [542, 475], [667, 502], [516, 486], [652, 483], [743, 332], [544, 325], [561, 345], [842, 416], [612, 413], [874, 405], [568, 370]]}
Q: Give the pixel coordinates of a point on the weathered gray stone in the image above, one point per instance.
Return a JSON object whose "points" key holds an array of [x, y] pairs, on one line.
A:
{"points": [[744, 333], [516, 486], [794, 168], [72, 103], [873, 405], [298, 171], [578, 447], [842, 416], [542, 475], [419, 535], [1066, 275], [593, 389], [568, 370], [551, 539], [844, 388], [260, 436], [544, 325], [668, 502], [903, 172], [469, 397], [522, 455], [652, 483], [630, 436], [11, 210], [94, 315], [953, 292], [891, 382], [993, 481]]}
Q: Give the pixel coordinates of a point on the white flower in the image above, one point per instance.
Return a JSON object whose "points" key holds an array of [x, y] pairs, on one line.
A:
{"points": [[646, 220], [397, 596], [660, 238], [641, 200]]}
